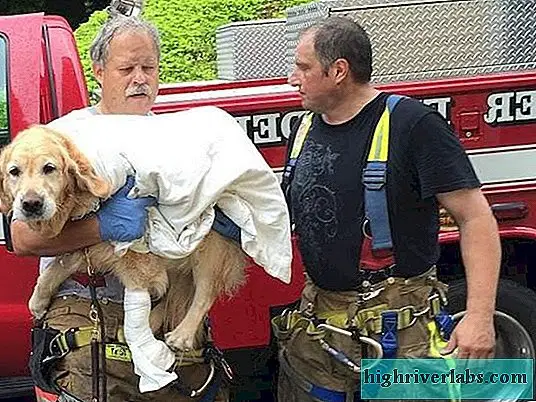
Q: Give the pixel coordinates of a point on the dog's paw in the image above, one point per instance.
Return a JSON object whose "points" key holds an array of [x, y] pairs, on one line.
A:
{"points": [[180, 340], [38, 305]]}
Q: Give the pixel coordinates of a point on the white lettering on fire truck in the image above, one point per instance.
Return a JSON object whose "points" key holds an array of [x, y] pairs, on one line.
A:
{"points": [[270, 128], [507, 107], [442, 105]]}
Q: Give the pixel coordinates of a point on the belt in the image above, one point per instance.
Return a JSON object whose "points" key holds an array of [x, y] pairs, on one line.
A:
{"points": [[368, 321], [372, 277], [75, 338], [371, 318]]}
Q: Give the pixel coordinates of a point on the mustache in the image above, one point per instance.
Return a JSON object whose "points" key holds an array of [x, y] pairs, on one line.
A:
{"points": [[142, 89]]}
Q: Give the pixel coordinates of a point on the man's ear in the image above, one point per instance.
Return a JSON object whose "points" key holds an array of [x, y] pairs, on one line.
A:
{"points": [[98, 72], [340, 70], [84, 174]]}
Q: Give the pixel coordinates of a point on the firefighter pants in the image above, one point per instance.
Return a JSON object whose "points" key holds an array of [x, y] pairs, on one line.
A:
{"points": [[302, 358], [73, 372]]}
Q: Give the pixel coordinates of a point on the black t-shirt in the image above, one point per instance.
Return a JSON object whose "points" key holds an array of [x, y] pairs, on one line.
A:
{"points": [[327, 199]]}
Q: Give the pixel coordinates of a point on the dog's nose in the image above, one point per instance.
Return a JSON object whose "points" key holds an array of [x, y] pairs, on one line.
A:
{"points": [[33, 205]]}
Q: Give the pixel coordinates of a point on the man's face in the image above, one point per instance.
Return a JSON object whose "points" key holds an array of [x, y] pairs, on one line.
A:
{"points": [[315, 86], [129, 76]]}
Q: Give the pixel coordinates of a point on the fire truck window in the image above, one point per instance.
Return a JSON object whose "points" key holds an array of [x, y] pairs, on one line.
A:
{"points": [[4, 117]]}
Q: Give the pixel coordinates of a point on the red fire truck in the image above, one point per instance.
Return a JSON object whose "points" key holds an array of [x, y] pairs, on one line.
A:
{"points": [[492, 109]]}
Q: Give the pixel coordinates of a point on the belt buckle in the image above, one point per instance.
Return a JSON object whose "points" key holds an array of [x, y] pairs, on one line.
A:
{"points": [[55, 342], [373, 277]]}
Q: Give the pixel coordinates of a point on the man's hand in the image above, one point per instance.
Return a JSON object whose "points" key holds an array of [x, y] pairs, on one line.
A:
{"points": [[121, 218], [481, 253], [474, 336]]}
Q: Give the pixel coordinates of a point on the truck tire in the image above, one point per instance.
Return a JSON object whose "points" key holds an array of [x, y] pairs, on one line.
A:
{"points": [[515, 317]]}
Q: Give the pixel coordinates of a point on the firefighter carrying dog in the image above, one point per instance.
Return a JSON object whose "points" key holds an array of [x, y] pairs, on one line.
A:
{"points": [[69, 359]]}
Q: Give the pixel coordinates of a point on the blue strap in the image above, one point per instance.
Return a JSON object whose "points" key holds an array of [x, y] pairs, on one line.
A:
{"points": [[328, 395], [445, 323], [374, 179], [225, 226], [392, 101], [287, 172], [389, 338]]}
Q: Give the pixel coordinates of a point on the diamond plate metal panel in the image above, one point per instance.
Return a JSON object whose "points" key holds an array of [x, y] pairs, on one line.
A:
{"points": [[414, 40], [252, 49], [300, 18]]}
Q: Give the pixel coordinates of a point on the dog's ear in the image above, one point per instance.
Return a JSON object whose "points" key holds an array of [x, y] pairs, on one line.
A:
{"points": [[6, 198], [84, 174]]}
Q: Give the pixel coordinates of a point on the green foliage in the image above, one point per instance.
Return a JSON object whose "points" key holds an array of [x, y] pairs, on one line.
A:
{"points": [[3, 113], [84, 36], [188, 32]]}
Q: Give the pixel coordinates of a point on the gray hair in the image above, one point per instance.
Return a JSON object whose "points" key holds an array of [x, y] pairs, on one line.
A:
{"points": [[116, 25], [342, 38]]}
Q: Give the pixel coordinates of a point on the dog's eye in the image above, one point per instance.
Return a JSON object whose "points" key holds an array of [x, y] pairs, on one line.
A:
{"points": [[14, 171], [49, 168]]}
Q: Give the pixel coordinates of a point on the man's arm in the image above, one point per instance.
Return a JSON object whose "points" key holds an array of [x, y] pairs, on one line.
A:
{"points": [[74, 236], [481, 254]]}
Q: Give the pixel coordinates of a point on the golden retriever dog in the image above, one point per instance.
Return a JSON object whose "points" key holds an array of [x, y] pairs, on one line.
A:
{"points": [[46, 181]]}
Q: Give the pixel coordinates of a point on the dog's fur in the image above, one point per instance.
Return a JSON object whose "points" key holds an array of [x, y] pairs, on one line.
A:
{"points": [[42, 166]]}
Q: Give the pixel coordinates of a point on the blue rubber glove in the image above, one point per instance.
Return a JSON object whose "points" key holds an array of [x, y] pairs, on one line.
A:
{"points": [[225, 226], [122, 218]]}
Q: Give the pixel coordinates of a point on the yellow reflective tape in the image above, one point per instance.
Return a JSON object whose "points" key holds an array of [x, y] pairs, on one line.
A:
{"points": [[339, 320], [379, 148], [435, 345], [436, 341], [115, 351], [303, 130], [83, 336]]}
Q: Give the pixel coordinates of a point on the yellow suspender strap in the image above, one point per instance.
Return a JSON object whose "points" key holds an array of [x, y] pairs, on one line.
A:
{"points": [[379, 148], [303, 130], [374, 179]]}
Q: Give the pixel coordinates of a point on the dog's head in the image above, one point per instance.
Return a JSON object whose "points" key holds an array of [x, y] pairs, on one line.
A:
{"points": [[44, 178]]}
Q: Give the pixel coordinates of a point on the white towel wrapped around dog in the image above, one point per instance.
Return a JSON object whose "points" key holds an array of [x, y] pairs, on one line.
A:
{"points": [[190, 161]]}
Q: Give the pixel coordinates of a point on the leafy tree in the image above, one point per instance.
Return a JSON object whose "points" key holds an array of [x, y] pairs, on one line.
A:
{"points": [[3, 114], [188, 32]]}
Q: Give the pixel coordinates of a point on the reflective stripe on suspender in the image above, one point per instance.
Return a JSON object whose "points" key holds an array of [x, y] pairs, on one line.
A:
{"points": [[375, 179], [374, 174], [297, 146]]}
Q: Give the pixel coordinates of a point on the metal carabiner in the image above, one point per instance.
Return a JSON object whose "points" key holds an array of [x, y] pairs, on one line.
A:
{"points": [[364, 229], [344, 359], [196, 392], [365, 339], [335, 329], [375, 344], [53, 355]]}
